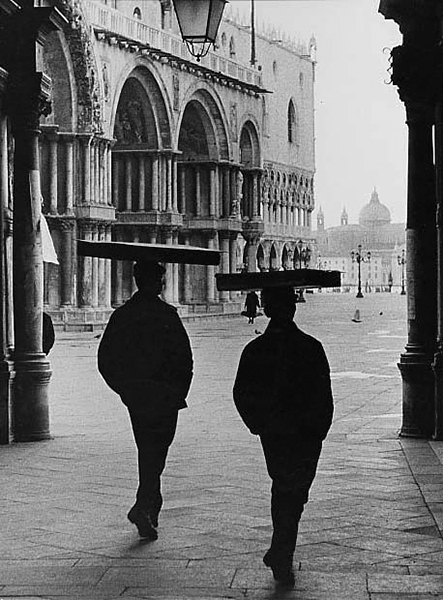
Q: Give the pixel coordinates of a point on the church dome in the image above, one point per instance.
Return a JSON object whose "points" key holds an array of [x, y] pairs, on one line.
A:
{"points": [[374, 213]]}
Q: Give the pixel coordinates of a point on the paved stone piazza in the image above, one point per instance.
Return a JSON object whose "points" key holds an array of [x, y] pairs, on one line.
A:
{"points": [[371, 531]]}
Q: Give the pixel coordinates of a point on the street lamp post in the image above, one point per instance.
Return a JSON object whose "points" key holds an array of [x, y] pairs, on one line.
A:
{"points": [[359, 258], [199, 21], [402, 261]]}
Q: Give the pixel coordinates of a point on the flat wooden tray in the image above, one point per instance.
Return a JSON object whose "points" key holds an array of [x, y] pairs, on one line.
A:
{"points": [[297, 278], [173, 253]]}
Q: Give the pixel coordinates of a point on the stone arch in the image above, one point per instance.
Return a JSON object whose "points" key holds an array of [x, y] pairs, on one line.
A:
{"points": [[153, 105], [249, 145], [58, 65], [85, 70], [213, 117], [286, 262], [273, 259], [250, 162], [202, 142], [261, 260]]}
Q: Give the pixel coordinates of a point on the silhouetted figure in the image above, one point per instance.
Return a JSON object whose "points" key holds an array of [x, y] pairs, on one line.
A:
{"points": [[48, 333], [145, 356], [283, 394], [252, 304]]}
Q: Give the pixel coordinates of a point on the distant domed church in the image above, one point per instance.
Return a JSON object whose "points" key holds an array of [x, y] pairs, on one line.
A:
{"points": [[385, 241]]}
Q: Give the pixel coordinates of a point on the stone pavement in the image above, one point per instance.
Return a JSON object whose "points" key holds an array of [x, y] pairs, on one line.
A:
{"points": [[372, 529]]}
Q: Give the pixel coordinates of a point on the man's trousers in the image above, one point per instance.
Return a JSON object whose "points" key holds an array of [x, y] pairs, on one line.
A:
{"points": [[291, 464], [153, 436]]}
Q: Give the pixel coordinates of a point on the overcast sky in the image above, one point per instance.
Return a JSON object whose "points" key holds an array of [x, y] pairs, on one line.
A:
{"points": [[361, 136]]}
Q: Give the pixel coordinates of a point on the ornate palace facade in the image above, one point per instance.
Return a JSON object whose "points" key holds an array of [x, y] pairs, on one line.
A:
{"points": [[144, 143]]}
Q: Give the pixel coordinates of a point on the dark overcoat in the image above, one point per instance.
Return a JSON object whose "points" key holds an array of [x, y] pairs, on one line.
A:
{"points": [[145, 355], [283, 384]]}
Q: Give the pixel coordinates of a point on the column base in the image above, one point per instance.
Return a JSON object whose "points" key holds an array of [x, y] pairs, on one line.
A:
{"points": [[5, 378], [29, 399], [418, 396]]}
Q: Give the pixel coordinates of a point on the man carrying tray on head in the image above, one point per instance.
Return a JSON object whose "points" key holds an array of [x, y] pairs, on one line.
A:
{"points": [[145, 356], [283, 394]]}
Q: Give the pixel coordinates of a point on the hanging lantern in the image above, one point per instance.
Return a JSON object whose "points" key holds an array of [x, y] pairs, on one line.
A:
{"points": [[199, 21]]}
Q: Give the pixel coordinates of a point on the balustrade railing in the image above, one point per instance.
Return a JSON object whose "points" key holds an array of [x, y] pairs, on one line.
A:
{"points": [[113, 21]]}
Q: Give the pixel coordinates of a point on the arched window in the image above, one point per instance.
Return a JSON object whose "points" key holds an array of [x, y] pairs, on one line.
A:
{"points": [[232, 48], [137, 13], [292, 123]]}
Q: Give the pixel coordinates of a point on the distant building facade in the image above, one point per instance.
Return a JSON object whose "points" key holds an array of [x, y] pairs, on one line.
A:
{"points": [[145, 144], [385, 241]]}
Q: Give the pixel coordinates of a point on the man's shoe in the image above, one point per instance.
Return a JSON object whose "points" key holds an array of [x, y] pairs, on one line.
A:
{"points": [[281, 569], [141, 519]]}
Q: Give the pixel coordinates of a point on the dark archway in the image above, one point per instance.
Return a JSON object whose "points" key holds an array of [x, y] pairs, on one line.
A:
{"points": [[273, 259], [250, 161], [140, 167]]}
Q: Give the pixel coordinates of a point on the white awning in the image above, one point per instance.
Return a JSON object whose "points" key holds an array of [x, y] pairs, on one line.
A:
{"points": [[49, 253]]}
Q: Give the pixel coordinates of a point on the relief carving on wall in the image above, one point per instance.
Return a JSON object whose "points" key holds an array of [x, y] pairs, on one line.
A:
{"points": [[233, 121], [175, 92], [84, 66], [129, 123]]}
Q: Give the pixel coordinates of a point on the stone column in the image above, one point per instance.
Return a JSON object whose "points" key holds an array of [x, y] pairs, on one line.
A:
{"points": [[168, 166], [163, 184], [95, 261], [416, 363], [69, 167], [29, 92], [115, 180], [97, 186], [135, 239], [66, 254], [197, 191], [226, 193], [155, 179], [210, 270], [252, 253], [4, 284], [182, 174], [212, 191], [416, 70], [53, 173], [187, 285], [85, 269], [224, 263], [255, 198], [86, 142], [108, 268], [152, 236], [175, 273], [141, 182], [128, 182], [101, 271], [118, 291], [168, 292], [234, 208], [174, 184], [109, 174], [233, 259]]}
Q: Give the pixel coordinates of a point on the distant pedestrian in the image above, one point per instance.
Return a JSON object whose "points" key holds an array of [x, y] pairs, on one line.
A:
{"points": [[283, 394], [145, 356], [252, 304]]}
